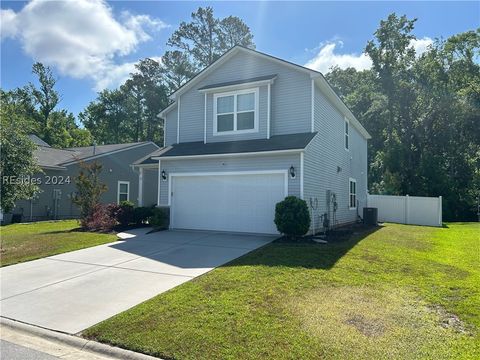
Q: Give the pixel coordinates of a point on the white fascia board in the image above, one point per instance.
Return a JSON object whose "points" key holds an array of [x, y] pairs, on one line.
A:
{"points": [[258, 153], [248, 85], [339, 104], [163, 114]]}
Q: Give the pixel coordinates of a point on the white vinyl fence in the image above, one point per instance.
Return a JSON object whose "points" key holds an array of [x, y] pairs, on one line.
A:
{"points": [[416, 210]]}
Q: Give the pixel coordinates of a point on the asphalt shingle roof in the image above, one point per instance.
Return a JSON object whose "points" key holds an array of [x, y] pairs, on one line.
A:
{"points": [[275, 143], [239, 82], [51, 157]]}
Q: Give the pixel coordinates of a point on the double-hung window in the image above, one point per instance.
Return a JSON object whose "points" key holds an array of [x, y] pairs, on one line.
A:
{"points": [[346, 134], [123, 191], [353, 194], [236, 112]]}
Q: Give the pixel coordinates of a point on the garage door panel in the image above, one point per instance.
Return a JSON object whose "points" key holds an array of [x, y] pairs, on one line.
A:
{"points": [[244, 203]]}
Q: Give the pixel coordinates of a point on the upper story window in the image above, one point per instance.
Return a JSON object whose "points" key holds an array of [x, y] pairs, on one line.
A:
{"points": [[346, 134], [236, 112]]}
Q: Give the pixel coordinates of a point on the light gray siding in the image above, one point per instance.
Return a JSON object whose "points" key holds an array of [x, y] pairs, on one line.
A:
{"points": [[325, 153], [245, 163], [171, 127], [290, 101], [116, 167]]}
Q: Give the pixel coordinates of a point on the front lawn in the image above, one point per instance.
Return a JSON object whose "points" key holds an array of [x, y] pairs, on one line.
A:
{"points": [[401, 292], [23, 242]]}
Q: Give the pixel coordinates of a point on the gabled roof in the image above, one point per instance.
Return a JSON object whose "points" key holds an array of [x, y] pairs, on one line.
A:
{"points": [[318, 77], [51, 158]]}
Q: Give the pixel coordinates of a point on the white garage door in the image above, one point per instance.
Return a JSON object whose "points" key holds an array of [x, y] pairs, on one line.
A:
{"points": [[243, 202]]}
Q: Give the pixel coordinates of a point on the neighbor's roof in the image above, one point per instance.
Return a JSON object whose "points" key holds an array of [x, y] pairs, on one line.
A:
{"points": [[48, 157], [36, 140], [317, 76], [199, 148]]}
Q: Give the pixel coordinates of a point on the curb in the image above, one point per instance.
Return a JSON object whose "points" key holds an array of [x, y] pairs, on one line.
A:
{"points": [[74, 341]]}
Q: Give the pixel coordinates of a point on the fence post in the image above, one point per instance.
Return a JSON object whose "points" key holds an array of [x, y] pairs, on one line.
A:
{"points": [[440, 211], [406, 209]]}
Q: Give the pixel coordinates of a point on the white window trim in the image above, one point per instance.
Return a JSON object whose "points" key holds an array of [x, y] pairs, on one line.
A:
{"points": [[350, 180], [118, 190], [346, 134], [235, 93]]}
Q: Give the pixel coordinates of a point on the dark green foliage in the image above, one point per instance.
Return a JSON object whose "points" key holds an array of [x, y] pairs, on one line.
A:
{"points": [[422, 113], [292, 217], [129, 113], [160, 218], [125, 214], [141, 214], [17, 160]]}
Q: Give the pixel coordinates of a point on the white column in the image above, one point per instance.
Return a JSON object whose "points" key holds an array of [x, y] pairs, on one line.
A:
{"points": [[159, 181], [140, 187]]}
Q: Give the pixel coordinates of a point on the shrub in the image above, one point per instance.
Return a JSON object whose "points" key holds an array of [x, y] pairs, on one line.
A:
{"points": [[100, 219], [160, 218], [125, 213], [141, 214], [292, 217]]}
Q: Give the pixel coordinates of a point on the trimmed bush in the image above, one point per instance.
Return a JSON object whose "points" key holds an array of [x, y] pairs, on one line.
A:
{"points": [[292, 217], [125, 214], [141, 214], [160, 218]]}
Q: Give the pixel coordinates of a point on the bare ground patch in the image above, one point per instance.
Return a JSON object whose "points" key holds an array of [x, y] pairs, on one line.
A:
{"points": [[378, 324]]}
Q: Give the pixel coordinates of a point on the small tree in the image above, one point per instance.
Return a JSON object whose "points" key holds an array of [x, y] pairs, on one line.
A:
{"points": [[292, 217], [89, 188]]}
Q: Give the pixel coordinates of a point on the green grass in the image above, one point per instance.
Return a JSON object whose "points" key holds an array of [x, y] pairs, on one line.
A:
{"points": [[24, 242], [401, 292]]}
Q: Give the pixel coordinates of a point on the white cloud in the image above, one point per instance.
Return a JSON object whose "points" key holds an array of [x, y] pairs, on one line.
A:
{"points": [[421, 45], [328, 56], [80, 38]]}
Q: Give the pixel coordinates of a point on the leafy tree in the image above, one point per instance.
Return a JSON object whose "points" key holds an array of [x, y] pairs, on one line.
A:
{"points": [[17, 159], [63, 132], [176, 69], [422, 112], [205, 38], [46, 96], [129, 114], [89, 188], [233, 31]]}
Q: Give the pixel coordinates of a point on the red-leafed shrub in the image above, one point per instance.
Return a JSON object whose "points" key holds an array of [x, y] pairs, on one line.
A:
{"points": [[100, 219]]}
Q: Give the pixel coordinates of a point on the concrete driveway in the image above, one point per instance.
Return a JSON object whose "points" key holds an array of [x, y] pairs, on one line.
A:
{"points": [[73, 291]]}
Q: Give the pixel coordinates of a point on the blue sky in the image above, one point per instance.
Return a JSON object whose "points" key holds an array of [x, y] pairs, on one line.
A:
{"points": [[91, 45]]}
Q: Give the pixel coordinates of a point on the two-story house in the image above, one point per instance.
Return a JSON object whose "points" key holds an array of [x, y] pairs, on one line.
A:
{"points": [[246, 132]]}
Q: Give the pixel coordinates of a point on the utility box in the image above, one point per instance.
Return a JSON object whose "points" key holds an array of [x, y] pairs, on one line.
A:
{"points": [[370, 216]]}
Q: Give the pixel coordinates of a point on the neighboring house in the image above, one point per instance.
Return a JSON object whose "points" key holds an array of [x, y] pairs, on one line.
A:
{"points": [[61, 166], [249, 130]]}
